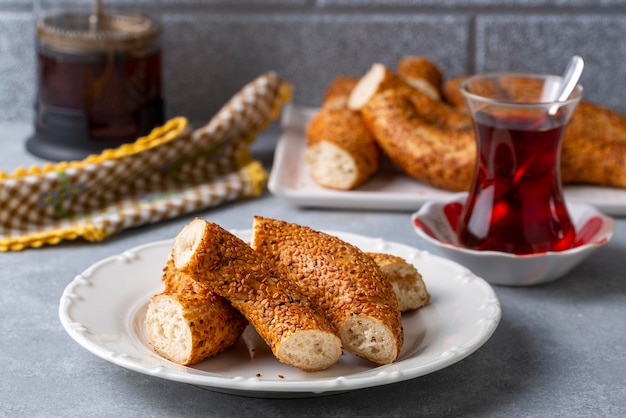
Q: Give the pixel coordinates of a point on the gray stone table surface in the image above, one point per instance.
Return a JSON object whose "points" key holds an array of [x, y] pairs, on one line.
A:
{"points": [[560, 348]]}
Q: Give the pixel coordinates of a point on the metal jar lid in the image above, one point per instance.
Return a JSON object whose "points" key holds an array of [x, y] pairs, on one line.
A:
{"points": [[83, 32]]}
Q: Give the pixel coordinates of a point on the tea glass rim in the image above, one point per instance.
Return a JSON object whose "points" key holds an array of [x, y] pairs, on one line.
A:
{"points": [[575, 96]]}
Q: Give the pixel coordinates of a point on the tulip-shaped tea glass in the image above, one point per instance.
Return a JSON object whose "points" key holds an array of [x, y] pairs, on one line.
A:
{"points": [[516, 202]]}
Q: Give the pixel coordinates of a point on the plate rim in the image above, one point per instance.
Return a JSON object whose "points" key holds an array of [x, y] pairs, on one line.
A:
{"points": [[377, 376]]}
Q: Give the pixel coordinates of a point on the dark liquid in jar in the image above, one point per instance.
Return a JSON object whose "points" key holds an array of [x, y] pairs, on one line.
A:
{"points": [[516, 203], [110, 87]]}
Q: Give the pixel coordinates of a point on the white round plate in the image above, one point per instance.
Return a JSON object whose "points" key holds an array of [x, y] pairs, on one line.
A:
{"points": [[103, 309]]}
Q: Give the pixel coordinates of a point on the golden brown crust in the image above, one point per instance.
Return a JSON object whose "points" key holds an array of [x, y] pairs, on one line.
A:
{"points": [[429, 154], [594, 147], [437, 113], [175, 281], [340, 278], [352, 156], [338, 91], [452, 93], [254, 285], [422, 74]]}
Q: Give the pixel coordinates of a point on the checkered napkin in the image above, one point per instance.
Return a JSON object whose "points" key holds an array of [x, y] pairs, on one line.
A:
{"points": [[172, 171]]}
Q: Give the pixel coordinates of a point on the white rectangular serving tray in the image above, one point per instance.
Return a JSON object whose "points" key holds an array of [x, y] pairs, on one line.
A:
{"points": [[389, 189]]}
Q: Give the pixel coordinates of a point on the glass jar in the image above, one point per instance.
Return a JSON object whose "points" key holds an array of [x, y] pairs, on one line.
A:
{"points": [[99, 81]]}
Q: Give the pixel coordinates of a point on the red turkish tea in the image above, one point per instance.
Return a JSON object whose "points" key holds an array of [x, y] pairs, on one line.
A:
{"points": [[516, 203]]}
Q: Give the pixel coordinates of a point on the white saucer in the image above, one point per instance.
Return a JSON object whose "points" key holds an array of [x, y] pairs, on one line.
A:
{"points": [[435, 224]]}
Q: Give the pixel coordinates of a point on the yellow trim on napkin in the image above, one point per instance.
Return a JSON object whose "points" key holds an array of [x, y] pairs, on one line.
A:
{"points": [[172, 129]]}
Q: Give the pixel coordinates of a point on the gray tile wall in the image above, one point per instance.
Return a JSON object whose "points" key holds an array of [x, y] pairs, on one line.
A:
{"points": [[213, 47]]}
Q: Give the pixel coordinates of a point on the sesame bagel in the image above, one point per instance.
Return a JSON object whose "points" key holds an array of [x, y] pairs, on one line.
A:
{"points": [[284, 318], [436, 113], [422, 74], [338, 92], [406, 281], [438, 157], [452, 93], [188, 323], [431, 111], [594, 147], [341, 153], [344, 282]]}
